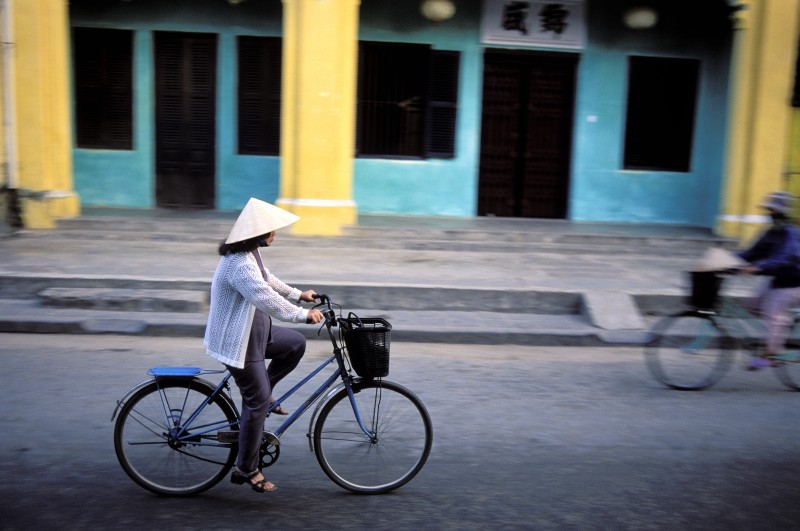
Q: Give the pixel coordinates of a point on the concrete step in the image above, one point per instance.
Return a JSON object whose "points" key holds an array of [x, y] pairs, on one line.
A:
{"points": [[103, 293], [459, 280], [410, 233], [476, 327], [449, 316], [574, 245], [125, 299], [157, 295], [106, 292], [30, 286]]}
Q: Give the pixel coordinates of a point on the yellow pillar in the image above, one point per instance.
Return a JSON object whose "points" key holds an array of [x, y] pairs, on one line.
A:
{"points": [[762, 74], [6, 117], [320, 50], [793, 158], [43, 130]]}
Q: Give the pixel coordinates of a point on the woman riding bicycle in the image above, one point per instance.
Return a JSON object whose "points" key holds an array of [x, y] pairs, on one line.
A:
{"points": [[240, 332], [777, 254]]}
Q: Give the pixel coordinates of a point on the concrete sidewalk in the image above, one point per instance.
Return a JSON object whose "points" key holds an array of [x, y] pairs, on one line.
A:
{"points": [[476, 280]]}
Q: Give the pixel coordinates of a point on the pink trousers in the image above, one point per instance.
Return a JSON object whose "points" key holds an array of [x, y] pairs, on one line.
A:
{"points": [[773, 305]]}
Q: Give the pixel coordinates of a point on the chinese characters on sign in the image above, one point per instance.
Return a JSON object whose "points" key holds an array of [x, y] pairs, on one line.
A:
{"points": [[514, 15], [534, 23], [553, 17]]}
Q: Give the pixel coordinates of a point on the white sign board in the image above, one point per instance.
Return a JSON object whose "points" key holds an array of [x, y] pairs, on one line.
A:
{"points": [[534, 23]]}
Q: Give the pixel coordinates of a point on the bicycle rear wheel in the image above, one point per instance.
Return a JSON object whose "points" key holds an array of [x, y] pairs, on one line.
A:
{"points": [[689, 351], [166, 451], [788, 367], [400, 441]]}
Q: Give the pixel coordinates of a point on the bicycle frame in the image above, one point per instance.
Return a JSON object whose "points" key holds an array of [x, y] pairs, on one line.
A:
{"points": [[341, 372], [749, 327], [192, 373], [177, 434], [196, 412]]}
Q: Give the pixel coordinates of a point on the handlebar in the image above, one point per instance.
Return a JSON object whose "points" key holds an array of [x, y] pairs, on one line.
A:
{"points": [[324, 299], [327, 308]]}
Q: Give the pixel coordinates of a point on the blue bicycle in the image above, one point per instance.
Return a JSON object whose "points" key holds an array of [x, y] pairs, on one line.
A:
{"points": [[176, 434]]}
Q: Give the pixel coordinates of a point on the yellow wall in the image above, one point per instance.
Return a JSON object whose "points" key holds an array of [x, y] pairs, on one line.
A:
{"points": [[763, 71], [5, 160], [320, 50], [43, 130], [793, 159]]}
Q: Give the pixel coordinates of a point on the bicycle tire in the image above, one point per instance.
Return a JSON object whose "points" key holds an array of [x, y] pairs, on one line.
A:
{"points": [[154, 457], [788, 368], [403, 436], [689, 351]]}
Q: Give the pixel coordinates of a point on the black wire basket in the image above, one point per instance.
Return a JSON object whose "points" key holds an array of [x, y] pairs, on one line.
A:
{"points": [[367, 340], [706, 286]]}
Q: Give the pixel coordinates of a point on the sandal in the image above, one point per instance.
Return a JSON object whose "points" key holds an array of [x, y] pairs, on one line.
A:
{"points": [[762, 362], [240, 478], [278, 409]]}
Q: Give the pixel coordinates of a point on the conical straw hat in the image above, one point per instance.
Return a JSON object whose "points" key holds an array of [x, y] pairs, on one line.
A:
{"points": [[257, 218]]}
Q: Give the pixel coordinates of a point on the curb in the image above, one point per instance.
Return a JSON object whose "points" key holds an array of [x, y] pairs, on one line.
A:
{"points": [[456, 327]]}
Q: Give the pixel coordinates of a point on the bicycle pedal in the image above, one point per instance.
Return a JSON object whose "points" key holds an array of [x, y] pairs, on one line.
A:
{"points": [[271, 439]]}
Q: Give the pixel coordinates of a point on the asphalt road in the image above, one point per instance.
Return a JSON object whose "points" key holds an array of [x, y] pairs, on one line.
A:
{"points": [[525, 438]]}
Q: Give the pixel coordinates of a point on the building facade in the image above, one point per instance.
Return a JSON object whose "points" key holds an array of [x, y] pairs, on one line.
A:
{"points": [[677, 112]]}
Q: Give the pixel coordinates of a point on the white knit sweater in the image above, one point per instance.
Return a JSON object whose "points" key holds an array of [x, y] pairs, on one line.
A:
{"points": [[236, 291]]}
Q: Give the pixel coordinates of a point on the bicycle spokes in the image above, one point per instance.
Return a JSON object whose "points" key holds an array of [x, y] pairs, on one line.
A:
{"points": [[168, 437], [393, 452], [689, 351]]}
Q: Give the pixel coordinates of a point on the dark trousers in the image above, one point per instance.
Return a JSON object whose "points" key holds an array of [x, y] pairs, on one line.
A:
{"points": [[284, 347]]}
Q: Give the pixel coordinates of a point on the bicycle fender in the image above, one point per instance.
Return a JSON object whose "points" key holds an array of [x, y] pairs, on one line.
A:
{"points": [[122, 401], [200, 381]]}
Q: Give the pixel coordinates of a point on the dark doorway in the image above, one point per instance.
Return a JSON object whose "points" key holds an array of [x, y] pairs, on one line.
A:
{"points": [[526, 134], [186, 65]]}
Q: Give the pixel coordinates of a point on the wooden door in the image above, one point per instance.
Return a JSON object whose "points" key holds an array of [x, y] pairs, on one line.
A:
{"points": [[185, 119], [526, 134]]}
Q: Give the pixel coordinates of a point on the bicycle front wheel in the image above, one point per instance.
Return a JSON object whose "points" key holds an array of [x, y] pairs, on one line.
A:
{"points": [[788, 361], [689, 351], [170, 437], [394, 451]]}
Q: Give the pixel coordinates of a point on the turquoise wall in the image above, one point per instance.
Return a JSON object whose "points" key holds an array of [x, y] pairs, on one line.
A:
{"points": [[127, 178], [600, 190], [443, 187]]}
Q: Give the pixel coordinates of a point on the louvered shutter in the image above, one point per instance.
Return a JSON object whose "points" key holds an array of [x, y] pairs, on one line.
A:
{"points": [[185, 119], [103, 79], [442, 104], [259, 91]]}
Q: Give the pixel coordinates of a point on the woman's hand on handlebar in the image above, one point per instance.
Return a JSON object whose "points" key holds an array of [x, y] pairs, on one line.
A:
{"points": [[327, 313], [308, 296], [314, 317]]}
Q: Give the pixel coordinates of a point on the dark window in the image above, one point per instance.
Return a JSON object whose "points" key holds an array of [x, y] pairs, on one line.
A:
{"points": [[259, 111], [442, 105], [661, 106], [103, 62], [407, 101]]}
